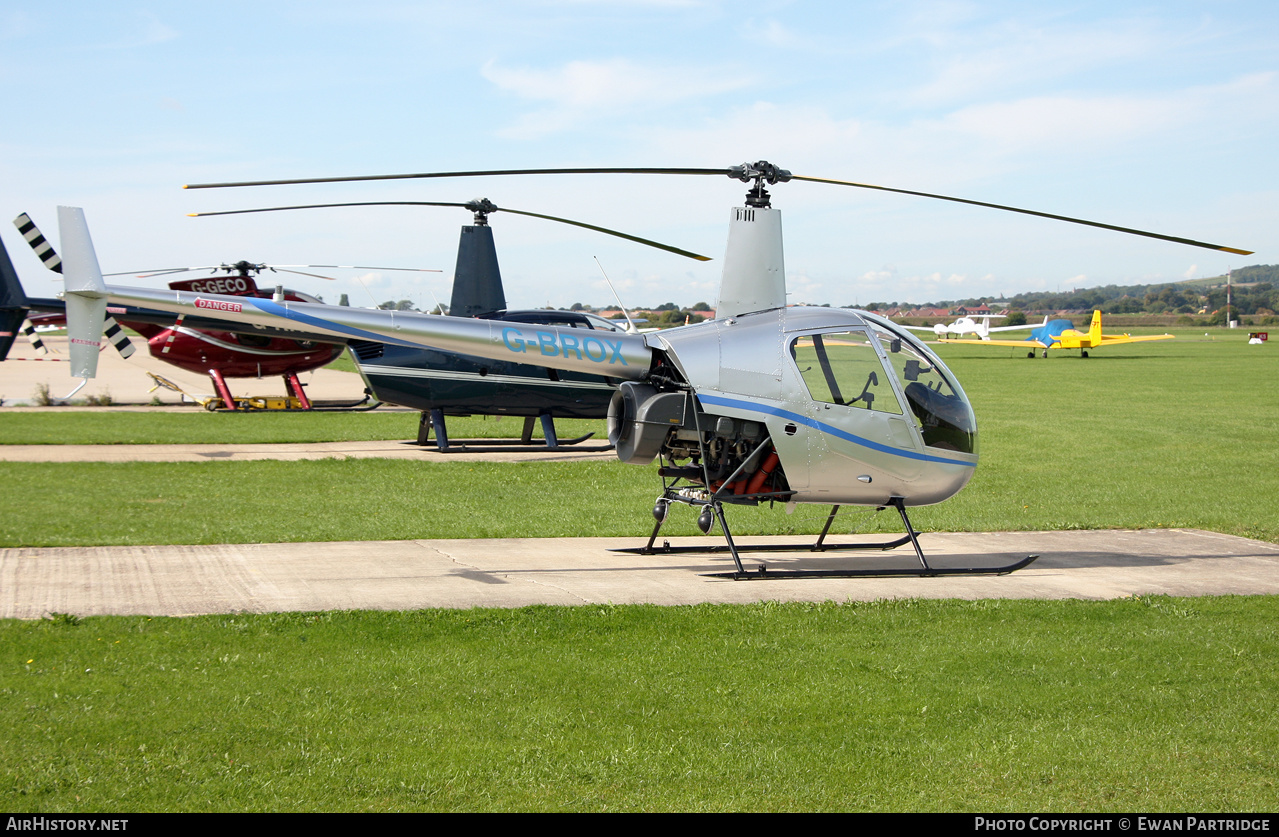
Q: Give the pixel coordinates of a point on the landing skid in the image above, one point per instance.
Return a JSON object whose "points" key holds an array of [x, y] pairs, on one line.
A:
{"points": [[433, 421], [762, 572], [361, 406], [502, 445]]}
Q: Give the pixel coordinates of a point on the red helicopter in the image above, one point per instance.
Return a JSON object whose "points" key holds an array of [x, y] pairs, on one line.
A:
{"points": [[205, 346], [224, 354]]}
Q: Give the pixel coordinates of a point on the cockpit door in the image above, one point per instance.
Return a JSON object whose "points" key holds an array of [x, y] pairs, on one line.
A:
{"points": [[857, 419]]}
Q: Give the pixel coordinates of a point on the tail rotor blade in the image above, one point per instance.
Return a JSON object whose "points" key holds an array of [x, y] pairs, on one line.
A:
{"points": [[33, 337], [38, 242], [118, 338]]}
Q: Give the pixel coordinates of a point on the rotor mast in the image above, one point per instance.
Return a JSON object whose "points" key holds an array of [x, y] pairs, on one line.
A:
{"points": [[754, 277]]}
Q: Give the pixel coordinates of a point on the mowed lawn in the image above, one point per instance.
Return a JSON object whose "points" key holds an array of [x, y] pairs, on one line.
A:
{"points": [[1148, 704], [1141, 704]]}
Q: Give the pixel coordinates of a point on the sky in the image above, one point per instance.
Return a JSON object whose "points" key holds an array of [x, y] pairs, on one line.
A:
{"points": [[1159, 116]]}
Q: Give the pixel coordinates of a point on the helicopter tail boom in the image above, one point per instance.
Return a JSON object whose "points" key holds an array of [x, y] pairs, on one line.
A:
{"points": [[613, 354]]}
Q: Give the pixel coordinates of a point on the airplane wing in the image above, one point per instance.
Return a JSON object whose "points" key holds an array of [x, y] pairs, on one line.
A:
{"points": [[1117, 339], [1022, 344]]}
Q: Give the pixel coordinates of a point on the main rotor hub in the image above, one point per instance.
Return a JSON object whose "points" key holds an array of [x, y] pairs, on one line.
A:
{"points": [[244, 268], [482, 207], [760, 172]]}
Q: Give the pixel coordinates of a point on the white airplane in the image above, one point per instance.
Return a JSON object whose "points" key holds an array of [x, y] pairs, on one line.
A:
{"points": [[978, 324]]}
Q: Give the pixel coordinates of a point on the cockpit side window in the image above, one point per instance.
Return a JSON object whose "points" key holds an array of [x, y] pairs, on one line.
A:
{"points": [[843, 368], [601, 324]]}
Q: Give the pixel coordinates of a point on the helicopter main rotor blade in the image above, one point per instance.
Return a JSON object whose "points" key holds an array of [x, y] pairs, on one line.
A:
{"points": [[301, 273], [1049, 215], [429, 175], [162, 271], [489, 208], [369, 267], [744, 172]]}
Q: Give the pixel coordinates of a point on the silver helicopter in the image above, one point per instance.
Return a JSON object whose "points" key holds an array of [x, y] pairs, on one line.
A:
{"points": [[763, 404]]}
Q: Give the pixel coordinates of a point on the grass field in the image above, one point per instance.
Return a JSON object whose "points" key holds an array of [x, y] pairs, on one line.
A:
{"points": [[1168, 434], [1147, 704]]}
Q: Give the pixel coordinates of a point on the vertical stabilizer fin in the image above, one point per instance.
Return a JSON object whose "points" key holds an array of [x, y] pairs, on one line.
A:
{"points": [[477, 281], [1094, 330], [53, 261], [86, 293]]}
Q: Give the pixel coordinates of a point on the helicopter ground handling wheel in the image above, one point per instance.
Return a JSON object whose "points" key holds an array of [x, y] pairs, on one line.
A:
{"points": [[713, 510]]}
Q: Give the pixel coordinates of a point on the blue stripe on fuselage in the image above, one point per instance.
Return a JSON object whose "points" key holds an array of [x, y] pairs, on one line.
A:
{"points": [[827, 429], [267, 306]]}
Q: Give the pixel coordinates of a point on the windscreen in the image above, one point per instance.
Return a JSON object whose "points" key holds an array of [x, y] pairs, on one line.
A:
{"points": [[944, 416]]}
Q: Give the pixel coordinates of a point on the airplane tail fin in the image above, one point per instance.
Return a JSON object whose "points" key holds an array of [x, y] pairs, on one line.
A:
{"points": [[13, 303], [1094, 330], [86, 293]]}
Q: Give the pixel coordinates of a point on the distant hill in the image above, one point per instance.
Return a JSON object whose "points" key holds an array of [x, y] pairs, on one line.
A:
{"points": [[1242, 276], [1254, 295]]}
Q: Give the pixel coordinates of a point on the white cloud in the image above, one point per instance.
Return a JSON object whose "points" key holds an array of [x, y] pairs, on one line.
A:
{"points": [[1068, 122], [1013, 54], [582, 90]]}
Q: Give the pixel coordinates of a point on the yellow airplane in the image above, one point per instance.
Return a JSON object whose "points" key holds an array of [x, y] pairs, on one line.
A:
{"points": [[1061, 334]]}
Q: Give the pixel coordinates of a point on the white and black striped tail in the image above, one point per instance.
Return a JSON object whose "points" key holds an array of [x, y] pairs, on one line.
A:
{"points": [[29, 331], [118, 338], [53, 261], [38, 242]]}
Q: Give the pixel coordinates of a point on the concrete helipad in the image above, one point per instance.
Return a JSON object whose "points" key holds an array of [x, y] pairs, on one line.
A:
{"points": [[258, 578]]}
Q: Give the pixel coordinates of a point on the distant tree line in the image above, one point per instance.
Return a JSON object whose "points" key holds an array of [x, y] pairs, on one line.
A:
{"points": [[1254, 293]]}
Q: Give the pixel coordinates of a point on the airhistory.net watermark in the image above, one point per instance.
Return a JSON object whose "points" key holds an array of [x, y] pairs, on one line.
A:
{"points": [[65, 824]]}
